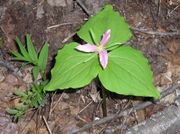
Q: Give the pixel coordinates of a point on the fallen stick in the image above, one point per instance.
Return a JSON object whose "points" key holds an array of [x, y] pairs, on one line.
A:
{"points": [[48, 128], [89, 13], [146, 31], [126, 111], [166, 121], [175, 33]]}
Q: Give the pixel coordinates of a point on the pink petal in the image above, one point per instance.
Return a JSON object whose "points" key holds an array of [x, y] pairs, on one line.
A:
{"points": [[105, 37], [87, 48], [103, 57]]}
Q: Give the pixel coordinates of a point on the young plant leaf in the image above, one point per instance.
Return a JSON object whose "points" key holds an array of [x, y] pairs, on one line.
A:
{"points": [[43, 57], [128, 73], [23, 50], [35, 72], [34, 103], [31, 49], [22, 107], [71, 69], [39, 99], [21, 94], [12, 111], [106, 19], [18, 56]]}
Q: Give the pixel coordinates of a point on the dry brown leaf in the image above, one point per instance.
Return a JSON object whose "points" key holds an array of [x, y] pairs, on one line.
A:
{"points": [[174, 47], [95, 95], [175, 69], [140, 115]]}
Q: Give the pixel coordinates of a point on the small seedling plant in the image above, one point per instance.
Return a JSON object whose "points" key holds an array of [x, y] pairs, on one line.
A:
{"points": [[30, 56], [34, 97], [31, 99], [120, 68]]}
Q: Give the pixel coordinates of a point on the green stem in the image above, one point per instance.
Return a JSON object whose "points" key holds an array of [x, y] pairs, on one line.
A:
{"points": [[43, 75], [104, 109], [93, 37]]}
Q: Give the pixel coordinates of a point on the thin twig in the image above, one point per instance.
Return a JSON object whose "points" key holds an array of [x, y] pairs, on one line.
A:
{"points": [[169, 90], [169, 14], [62, 24], [67, 38], [176, 33], [159, 8], [89, 13], [126, 111], [26, 124], [52, 109], [51, 104], [104, 108], [49, 130], [85, 107], [80, 118]]}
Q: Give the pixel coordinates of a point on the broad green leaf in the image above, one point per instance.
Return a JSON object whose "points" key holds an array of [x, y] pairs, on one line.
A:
{"points": [[101, 22], [73, 69], [128, 73], [31, 49], [23, 50], [35, 72], [43, 57]]}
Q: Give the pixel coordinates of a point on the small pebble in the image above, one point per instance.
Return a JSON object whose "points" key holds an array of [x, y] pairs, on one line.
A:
{"points": [[65, 96], [96, 118]]}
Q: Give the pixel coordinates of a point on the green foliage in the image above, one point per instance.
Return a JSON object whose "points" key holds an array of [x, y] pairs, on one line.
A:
{"points": [[43, 57], [127, 72], [31, 50], [30, 56], [35, 96], [29, 99], [72, 69], [106, 19]]}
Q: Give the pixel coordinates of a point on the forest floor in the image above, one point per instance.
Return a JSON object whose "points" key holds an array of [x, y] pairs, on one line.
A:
{"points": [[156, 32]]}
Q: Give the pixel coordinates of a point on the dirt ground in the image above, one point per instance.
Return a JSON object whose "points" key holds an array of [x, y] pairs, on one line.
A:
{"points": [[156, 32]]}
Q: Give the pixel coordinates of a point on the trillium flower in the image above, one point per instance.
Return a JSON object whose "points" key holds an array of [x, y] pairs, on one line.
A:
{"points": [[100, 48]]}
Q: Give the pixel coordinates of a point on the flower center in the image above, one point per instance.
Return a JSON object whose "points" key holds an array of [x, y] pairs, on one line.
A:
{"points": [[100, 48]]}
